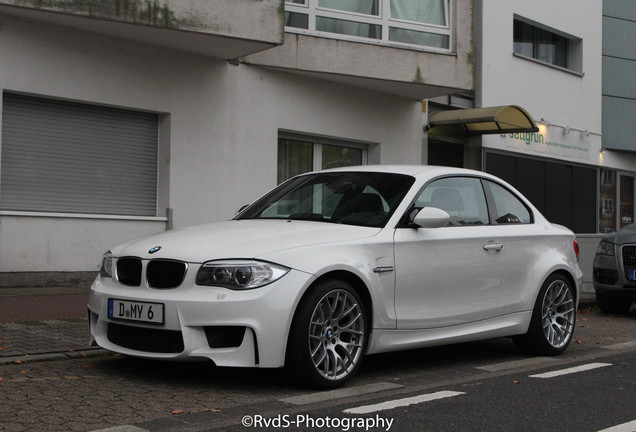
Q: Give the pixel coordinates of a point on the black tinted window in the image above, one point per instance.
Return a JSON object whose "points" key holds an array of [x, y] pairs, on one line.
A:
{"points": [[506, 208]]}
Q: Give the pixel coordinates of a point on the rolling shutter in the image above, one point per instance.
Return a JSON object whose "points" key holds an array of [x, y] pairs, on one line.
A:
{"points": [[66, 157]]}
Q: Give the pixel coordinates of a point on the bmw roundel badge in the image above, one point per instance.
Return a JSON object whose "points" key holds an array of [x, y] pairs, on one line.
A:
{"points": [[154, 249]]}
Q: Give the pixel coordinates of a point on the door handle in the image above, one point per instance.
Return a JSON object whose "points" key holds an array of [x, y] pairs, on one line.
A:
{"points": [[493, 247]]}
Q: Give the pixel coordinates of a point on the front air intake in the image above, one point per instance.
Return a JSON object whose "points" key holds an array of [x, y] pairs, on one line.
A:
{"points": [[146, 339], [129, 271], [165, 274]]}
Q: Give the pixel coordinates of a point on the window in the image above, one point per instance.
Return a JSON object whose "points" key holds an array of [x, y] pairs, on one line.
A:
{"points": [[65, 157], [627, 201], [297, 155], [607, 201], [506, 208], [550, 47], [352, 198], [461, 197], [616, 200], [423, 23]]}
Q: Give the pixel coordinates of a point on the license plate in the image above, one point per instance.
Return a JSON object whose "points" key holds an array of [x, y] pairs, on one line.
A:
{"points": [[632, 275], [136, 311]]}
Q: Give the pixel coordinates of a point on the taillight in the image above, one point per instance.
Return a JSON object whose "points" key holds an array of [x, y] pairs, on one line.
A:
{"points": [[576, 250]]}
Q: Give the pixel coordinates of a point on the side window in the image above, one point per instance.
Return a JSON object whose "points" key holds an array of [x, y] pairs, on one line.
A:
{"points": [[507, 208], [461, 197]]}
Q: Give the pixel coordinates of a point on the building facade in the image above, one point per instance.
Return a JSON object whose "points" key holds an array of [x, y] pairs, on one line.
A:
{"points": [[616, 182], [568, 65], [120, 119]]}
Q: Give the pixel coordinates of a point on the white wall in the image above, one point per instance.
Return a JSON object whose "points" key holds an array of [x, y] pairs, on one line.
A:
{"points": [[545, 92], [257, 103], [37, 244], [58, 62], [221, 140]]}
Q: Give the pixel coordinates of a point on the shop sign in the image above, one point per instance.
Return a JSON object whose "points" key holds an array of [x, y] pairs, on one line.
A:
{"points": [[573, 144]]}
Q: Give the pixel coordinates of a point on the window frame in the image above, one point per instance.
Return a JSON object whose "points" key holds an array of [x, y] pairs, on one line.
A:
{"points": [[312, 10], [574, 48], [317, 149]]}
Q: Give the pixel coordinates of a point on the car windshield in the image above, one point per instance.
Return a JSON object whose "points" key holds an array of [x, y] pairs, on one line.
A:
{"points": [[353, 198]]}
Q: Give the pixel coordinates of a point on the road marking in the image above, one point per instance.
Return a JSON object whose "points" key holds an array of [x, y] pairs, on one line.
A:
{"points": [[313, 398], [571, 370], [366, 409], [625, 427], [621, 346], [533, 361]]}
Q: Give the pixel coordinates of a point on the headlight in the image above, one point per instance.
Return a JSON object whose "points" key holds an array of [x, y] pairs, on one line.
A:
{"points": [[605, 248], [106, 270], [239, 275]]}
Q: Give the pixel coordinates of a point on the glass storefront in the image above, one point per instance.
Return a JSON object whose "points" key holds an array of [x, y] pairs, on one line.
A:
{"points": [[616, 200], [627, 201], [607, 201], [564, 193]]}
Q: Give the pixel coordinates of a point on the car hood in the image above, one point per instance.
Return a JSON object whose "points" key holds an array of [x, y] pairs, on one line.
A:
{"points": [[624, 235], [239, 239]]}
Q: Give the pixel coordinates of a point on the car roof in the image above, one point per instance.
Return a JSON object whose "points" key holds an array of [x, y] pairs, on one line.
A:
{"points": [[412, 170]]}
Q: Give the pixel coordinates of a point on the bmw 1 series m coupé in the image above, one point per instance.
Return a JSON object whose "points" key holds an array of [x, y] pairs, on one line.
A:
{"points": [[333, 265]]}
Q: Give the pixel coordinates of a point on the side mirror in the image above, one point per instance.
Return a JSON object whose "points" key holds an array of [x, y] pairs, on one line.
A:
{"points": [[241, 209], [431, 217]]}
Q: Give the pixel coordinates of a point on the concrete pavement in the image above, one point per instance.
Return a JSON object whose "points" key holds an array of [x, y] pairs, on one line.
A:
{"points": [[43, 324]]}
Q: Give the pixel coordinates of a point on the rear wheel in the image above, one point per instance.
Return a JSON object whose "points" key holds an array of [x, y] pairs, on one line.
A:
{"points": [[553, 318], [328, 336]]}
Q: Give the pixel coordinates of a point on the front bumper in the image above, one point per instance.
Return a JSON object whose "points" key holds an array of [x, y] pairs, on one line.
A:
{"points": [[610, 278], [232, 328]]}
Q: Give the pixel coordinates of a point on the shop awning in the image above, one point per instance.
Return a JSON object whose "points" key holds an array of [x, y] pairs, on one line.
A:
{"points": [[488, 120]]}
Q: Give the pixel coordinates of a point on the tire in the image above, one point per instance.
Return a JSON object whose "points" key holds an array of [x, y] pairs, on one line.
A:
{"points": [[329, 335], [553, 318], [613, 305]]}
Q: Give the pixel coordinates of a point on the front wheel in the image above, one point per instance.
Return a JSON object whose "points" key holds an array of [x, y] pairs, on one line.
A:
{"points": [[553, 318], [328, 336]]}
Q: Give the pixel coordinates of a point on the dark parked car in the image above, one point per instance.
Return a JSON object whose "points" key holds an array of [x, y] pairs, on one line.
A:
{"points": [[615, 271]]}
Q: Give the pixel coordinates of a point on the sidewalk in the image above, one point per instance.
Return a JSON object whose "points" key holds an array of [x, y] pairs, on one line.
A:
{"points": [[43, 324], [39, 324]]}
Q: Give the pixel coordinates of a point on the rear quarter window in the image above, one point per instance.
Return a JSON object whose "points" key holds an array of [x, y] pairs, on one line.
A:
{"points": [[505, 207]]}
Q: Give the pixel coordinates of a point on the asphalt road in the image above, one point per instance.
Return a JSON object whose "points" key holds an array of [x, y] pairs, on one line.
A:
{"points": [[487, 386], [592, 395]]}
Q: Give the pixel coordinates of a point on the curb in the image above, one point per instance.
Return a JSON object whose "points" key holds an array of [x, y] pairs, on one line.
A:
{"points": [[90, 352]]}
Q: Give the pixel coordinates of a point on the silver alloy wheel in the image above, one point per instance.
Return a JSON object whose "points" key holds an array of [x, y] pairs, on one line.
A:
{"points": [[336, 334], [558, 314]]}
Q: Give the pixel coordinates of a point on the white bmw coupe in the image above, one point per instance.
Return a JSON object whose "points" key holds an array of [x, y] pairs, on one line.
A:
{"points": [[333, 265]]}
